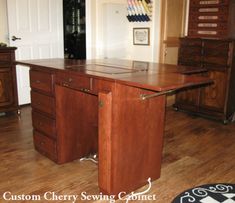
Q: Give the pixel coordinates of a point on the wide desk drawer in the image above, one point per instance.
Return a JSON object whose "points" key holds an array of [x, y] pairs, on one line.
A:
{"points": [[43, 103], [44, 124], [42, 81], [74, 81], [45, 145]]}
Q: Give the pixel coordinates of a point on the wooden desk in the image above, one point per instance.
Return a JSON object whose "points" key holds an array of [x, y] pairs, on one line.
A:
{"points": [[83, 107]]}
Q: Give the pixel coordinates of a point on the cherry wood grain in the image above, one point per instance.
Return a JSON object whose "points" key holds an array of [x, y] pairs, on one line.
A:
{"points": [[77, 124], [132, 139]]}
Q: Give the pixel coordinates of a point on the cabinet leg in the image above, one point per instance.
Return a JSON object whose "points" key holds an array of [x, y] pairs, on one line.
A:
{"points": [[18, 112], [176, 108], [225, 122]]}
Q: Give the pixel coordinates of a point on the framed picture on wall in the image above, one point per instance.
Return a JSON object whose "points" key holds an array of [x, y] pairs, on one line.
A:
{"points": [[141, 36]]}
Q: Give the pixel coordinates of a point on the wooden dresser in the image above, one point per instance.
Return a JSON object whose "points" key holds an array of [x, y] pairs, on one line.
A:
{"points": [[8, 85], [218, 57]]}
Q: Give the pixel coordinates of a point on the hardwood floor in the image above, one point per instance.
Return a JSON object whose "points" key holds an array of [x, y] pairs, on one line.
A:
{"points": [[196, 151]]}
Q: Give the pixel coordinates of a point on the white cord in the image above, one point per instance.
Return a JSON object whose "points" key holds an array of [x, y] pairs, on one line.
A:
{"points": [[140, 193]]}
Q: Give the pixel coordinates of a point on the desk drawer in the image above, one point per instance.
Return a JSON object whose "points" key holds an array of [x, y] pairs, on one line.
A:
{"points": [[45, 145], [73, 81], [101, 86], [44, 124], [43, 103], [42, 81]]}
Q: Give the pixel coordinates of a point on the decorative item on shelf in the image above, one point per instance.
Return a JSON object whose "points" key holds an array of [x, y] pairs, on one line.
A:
{"points": [[141, 36], [139, 10], [3, 44]]}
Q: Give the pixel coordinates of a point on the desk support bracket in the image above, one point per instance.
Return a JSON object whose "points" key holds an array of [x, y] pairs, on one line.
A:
{"points": [[149, 96]]}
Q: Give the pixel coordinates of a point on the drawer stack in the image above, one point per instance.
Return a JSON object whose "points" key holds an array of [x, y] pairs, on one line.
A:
{"points": [[43, 113], [211, 18]]}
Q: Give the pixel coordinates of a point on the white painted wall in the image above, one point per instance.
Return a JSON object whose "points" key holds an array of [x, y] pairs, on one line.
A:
{"points": [[3, 21], [147, 53], [100, 32]]}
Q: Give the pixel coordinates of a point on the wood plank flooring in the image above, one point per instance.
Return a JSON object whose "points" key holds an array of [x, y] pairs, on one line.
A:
{"points": [[196, 151]]}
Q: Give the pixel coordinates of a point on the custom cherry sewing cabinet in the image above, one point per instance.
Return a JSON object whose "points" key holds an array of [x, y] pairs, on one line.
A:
{"points": [[115, 108]]}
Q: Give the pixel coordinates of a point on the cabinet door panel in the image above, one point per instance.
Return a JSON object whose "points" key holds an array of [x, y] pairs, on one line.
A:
{"points": [[188, 99], [190, 52], [213, 96], [77, 123], [6, 88]]}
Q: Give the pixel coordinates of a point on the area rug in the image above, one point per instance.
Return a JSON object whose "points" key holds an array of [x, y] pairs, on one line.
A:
{"points": [[211, 193]]}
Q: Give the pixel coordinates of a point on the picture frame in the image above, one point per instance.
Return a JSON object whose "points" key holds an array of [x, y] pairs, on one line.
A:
{"points": [[141, 36], [140, 65]]}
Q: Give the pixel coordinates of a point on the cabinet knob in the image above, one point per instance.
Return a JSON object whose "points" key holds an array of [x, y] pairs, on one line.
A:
{"points": [[85, 90], [38, 81], [42, 143], [101, 103], [65, 84], [70, 79]]}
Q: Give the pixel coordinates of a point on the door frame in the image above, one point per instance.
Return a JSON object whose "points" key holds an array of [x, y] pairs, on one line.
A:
{"points": [[173, 41]]}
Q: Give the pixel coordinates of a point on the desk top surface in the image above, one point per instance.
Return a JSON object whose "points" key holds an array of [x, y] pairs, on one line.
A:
{"points": [[152, 76]]}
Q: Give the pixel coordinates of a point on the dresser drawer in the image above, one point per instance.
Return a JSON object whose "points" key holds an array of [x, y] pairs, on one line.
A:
{"points": [[190, 42], [206, 3], [5, 57], [43, 103], [44, 124], [42, 81], [101, 86], [74, 81], [45, 145]]}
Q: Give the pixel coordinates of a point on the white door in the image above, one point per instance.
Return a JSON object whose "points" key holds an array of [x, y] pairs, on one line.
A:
{"points": [[115, 30], [39, 25]]}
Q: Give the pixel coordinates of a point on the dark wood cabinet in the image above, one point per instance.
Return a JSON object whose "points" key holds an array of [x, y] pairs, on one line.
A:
{"points": [[218, 57], [8, 85]]}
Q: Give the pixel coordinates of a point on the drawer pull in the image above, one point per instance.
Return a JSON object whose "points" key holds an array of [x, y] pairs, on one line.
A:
{"points": [[38, 103], [65, 84], [70, 79], [42, 143], [38, 81], [85, 90]]}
